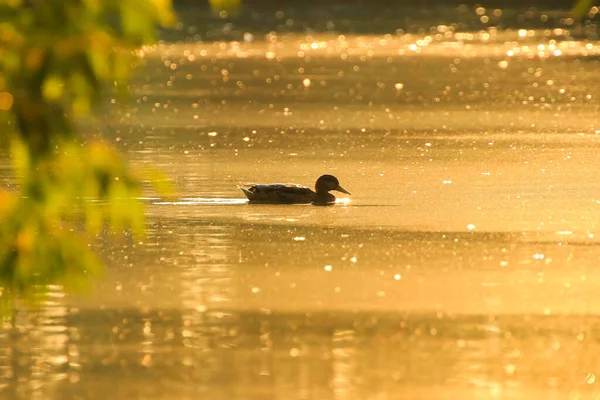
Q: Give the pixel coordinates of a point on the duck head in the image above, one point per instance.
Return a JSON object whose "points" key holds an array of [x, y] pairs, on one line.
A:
{"points": [[325, 183]]}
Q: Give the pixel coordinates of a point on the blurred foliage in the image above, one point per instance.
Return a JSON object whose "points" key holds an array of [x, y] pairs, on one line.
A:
{"points": [[582, 7], [225, 8], [56, 57]]}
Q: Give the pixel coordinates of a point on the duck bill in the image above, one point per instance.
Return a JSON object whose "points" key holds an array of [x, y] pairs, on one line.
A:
{"points": [[341, 189]]}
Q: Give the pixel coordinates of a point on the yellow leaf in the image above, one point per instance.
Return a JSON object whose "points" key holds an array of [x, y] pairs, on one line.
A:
{"points": [[137, 23], [6, 101], [6, 202], [34, 58], [99, 60], [52, 88], [81, 106], [20, 157], [581, 7], [93, 5], [25, 240], [231, 6], [13, 3], [164, 12]]}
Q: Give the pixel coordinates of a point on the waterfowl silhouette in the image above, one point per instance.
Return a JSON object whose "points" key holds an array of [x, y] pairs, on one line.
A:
{"points": [[286, 193]]}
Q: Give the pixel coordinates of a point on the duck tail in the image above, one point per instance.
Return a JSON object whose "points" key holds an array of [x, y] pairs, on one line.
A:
{"points": [[247, 192]]}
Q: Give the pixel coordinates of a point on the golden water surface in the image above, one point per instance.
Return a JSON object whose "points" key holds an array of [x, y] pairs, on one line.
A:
{"points": [[464, 265]]}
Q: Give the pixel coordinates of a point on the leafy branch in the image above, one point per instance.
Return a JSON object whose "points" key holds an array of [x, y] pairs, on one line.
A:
{"points": [[57, 57]]}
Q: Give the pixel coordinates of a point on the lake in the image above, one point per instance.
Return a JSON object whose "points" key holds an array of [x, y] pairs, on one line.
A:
{"points": [[463, 265]]}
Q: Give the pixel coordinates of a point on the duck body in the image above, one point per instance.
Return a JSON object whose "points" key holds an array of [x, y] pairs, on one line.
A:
{"points": [[284, 193], [287, 193]]}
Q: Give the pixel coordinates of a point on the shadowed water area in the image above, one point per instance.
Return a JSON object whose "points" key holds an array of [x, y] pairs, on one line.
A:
{"points": [[464, 265]]}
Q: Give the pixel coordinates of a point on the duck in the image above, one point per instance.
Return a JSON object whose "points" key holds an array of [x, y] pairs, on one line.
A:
{"points": [[289, 193]]}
